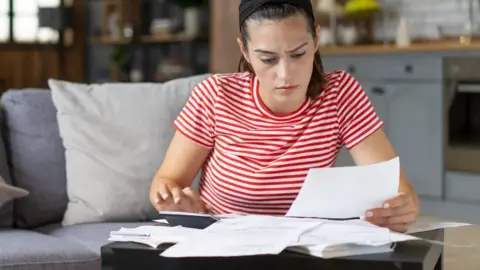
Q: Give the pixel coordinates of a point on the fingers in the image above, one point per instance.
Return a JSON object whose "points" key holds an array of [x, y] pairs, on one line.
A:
{"points": [[164, 192], [393, 220], [403, 219], [396, 214], [382, 221], [197, 204], [400, 200], [398, 206], [177, 195], [209, 208], [402, 227], [158, 198], [176, 199], [389, 212]]}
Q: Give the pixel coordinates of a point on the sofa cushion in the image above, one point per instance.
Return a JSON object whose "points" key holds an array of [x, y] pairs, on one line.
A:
{"points": [[115, 136], [6, 208], [92, 235], [22, 249], [9, 193], [36, 156]]}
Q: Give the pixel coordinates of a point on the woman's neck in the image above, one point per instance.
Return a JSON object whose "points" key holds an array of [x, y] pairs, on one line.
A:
{"points": [[279, 107]]}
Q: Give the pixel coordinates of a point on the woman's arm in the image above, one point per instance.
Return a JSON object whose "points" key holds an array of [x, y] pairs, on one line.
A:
{"points": [[402, 210], [377, 148], [182, 162], [188, 150]]}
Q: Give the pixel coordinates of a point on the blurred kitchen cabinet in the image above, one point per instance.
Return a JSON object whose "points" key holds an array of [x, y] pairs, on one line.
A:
{"points": [[412, 112], [412, 116]]}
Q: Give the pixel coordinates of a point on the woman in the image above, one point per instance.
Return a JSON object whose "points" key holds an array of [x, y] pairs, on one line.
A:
{"points": [[256, 133]]}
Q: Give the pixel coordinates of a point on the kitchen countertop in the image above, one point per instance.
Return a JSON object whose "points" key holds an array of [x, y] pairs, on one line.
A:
{"points": [[419, 47]]}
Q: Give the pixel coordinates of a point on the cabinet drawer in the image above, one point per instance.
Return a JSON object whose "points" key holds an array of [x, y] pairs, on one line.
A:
{"points": [[387, 67], [348, 64], [462, 186]]}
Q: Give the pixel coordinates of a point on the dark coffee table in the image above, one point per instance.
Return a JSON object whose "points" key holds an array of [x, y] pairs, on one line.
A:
{"points": [[411, 255]]}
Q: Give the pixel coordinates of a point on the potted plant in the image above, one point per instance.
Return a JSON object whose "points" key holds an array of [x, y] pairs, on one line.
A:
{"points": [[192, 12], [120, 61]]}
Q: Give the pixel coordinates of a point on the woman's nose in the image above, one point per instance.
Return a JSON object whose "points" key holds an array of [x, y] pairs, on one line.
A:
{"points": [[284, 71]]}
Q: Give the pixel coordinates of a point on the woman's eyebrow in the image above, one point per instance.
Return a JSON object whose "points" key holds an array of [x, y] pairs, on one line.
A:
{"points": [[289, 51], [298, 47]]}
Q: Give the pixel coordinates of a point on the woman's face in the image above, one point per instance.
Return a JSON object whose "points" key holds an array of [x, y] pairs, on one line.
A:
{"points": [[281, 53]]}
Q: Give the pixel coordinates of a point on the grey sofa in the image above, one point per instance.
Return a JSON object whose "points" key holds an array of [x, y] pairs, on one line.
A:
{"points": [[32, 157]]}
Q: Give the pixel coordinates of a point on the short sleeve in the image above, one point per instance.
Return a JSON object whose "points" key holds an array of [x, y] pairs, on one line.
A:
{"points": [[196, 120], [356, 115]]}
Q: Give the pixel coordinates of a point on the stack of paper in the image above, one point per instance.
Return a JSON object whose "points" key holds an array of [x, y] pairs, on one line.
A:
{"points": [[257, 235], [243, 236], [346, 238], [261, 235]]}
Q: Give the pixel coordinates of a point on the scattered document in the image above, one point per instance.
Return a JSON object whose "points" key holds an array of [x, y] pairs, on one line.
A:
{"points": [[153, 235], [260, 235], [243, 236], [346, 192]]}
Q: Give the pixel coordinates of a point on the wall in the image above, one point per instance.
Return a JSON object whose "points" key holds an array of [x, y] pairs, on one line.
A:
{"points": [[424, 16]]}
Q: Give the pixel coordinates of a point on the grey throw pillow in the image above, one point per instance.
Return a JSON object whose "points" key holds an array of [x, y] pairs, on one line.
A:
{"points": [[115, 137], [9, 193]]}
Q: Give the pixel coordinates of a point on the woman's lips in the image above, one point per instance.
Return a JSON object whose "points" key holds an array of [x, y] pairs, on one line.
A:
{"points": [[287, 88]]}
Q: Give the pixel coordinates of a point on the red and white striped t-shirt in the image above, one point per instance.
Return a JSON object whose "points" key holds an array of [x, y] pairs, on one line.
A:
{"points": [[259, 160]]}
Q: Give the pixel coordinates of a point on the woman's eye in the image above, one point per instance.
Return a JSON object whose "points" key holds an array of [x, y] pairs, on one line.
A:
{"points": [[268, 60], [298, 55]]}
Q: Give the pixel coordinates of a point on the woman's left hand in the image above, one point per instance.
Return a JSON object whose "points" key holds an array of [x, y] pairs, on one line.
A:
{"points": [[397, 214]]}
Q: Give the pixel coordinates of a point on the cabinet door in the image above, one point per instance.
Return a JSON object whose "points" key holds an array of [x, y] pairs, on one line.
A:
{"points": [[375, 91], [413, 113]]}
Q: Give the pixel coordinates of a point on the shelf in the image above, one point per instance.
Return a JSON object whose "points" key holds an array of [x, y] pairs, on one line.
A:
{"points": [[170, 38], [148, 39]]}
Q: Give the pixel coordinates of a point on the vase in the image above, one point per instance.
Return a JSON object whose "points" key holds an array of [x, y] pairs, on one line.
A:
{"points": [[192, 21]]}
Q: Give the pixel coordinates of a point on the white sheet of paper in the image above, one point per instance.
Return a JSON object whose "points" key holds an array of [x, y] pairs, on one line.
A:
{"points": [[153, 235], [243, 236], [421, 226], [154, 243], [162, 221], [357, 232], [346, 192]]}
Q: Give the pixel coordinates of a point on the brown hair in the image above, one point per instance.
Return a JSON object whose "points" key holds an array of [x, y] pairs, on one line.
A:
{"points": [[281, 11]]}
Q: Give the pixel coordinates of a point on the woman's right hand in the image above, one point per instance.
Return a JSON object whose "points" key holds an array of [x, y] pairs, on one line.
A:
{"points": [[171, 197]]}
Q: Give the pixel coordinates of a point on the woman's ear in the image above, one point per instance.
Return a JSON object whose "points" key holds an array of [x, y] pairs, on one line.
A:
{"points": [[317, 33], [242, 49]]}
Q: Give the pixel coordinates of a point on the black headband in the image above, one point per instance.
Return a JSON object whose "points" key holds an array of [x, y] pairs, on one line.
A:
{"points": [[248, 7]]}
